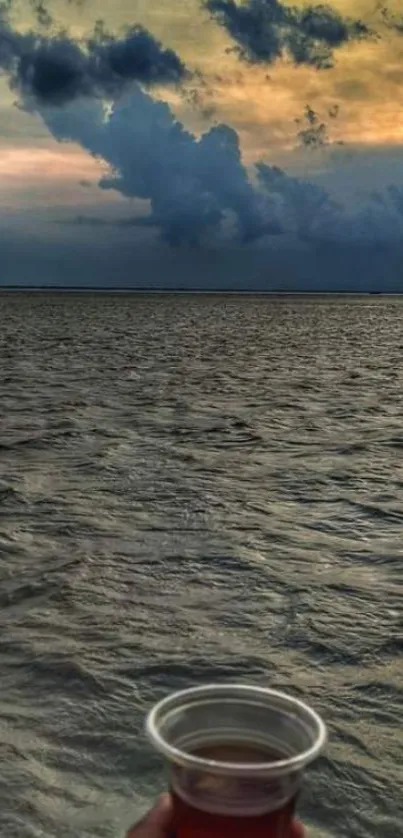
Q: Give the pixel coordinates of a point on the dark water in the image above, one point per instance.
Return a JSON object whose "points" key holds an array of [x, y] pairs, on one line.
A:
{"points": [[193, 489]]}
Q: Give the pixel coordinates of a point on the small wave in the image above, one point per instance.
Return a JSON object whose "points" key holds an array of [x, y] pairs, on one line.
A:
{"points": [[374, 511], [23, 595], [394, 442], [8, 494], [65, 674]]}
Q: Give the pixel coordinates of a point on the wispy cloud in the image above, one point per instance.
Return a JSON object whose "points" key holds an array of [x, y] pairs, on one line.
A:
{"points": [[42, 13]]}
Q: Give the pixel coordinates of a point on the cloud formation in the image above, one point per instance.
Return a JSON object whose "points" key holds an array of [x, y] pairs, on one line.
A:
{"points": [[265, 30], [310, 212], [197, 187], [55, 69], [193, 184], [306, 209]]}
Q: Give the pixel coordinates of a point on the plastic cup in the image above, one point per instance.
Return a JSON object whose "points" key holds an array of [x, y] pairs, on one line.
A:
{"points": [[236, 756]]}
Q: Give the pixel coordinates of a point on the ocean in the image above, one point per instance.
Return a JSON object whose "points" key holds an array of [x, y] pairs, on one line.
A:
{"points": [[197, 488]]}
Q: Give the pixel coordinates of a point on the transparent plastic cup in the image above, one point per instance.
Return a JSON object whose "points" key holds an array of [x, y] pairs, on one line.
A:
{"points": [[236, 755]]}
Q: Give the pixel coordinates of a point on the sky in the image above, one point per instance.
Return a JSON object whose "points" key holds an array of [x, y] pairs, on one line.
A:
{"points": [[202, 144]]}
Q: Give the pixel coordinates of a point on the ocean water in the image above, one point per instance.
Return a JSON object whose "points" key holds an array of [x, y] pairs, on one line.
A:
{"points": [[197, 488]]}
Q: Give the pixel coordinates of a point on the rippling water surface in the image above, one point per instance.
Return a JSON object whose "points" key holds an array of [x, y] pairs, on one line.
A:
{"points": [[197, 488]]}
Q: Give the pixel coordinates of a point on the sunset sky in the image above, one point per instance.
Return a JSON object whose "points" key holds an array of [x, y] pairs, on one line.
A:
{"points": [[316, 91]]}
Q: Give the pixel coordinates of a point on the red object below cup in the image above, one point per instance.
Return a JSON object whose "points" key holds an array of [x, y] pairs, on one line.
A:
{"points": [[236, 755]]}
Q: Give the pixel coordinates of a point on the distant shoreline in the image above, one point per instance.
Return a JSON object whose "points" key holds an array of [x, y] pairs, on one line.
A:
{"points": [[232, 291]]}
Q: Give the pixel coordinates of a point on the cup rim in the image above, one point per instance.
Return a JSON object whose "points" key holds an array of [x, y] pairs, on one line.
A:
{"points": [[191, 761]]}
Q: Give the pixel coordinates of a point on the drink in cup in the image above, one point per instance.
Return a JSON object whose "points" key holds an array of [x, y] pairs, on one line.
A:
{"points": [[236, 755]]}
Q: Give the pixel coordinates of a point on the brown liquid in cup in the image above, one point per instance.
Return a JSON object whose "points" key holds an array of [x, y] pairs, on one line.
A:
{"points": [[191, 822]]}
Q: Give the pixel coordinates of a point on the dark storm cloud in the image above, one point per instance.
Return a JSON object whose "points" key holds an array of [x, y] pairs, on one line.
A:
{"points": [[56, 69], [51, 70], [198, 186], [193, 185], [265, 30], [136, 56]]}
